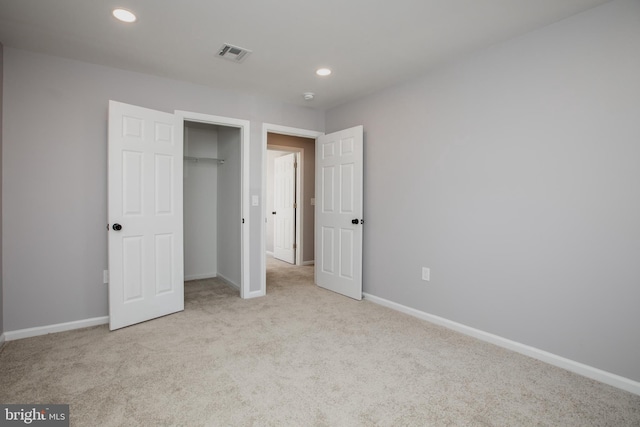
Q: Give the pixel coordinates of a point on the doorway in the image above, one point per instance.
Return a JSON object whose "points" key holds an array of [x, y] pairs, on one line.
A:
{"points": [[233, 147], [285, 140], [281, 150], [212, 203], [338, 208], [145, 210]]}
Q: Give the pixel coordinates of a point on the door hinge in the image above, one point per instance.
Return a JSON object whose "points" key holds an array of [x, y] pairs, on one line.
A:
{"points": [[295, 246], [243, 220], [295, 206]]}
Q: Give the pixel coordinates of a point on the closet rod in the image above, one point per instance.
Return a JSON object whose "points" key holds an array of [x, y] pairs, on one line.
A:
{"points": [[197, 159]]}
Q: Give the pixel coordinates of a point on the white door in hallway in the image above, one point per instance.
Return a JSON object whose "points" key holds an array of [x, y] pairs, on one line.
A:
{"points": [[339, 219], [284, 198], [145, 215]]}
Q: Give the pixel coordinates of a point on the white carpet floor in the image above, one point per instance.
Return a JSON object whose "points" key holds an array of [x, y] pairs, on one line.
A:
{"points": [[301, 356]]}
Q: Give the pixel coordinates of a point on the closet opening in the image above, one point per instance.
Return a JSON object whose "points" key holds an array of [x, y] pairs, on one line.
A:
{"points": [[212, 203]]}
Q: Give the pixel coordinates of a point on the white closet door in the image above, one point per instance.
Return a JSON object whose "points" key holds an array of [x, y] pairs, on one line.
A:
{"points": [[146, 278]]}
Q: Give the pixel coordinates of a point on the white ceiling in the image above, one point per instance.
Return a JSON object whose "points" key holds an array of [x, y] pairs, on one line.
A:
{"points": [[369, 44]]}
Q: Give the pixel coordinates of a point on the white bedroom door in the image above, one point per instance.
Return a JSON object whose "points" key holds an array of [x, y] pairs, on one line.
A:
{"points": [[284, 198], [145, 215], [339, 218]]}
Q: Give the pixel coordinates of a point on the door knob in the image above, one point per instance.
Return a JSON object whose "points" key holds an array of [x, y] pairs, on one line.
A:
{"points": [[117, 227], [354, 221], [273, 213]]}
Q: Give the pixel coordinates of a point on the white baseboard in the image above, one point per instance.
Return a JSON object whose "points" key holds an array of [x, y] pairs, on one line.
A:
{"points": [[269, 253], [59, 327], [2, 339], [312, 262], [254, 294], [544, 356], [199, 276], [229, 282]]}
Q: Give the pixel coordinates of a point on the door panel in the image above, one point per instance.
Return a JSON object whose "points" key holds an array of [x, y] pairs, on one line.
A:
{"points": [[164, 190], [284, 197], [164, 263], [339, 242], [346, 253], [132, 182], [145, 198]]}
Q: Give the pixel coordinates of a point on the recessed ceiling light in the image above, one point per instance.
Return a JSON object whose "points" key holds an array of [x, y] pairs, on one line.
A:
{"points": [[124, 15], [323, 71]]}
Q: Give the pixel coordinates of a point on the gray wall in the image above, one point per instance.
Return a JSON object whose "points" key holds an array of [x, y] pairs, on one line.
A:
{"points": [[1, 185], [55, 175], [229, 205], [308, 147], [200, 202], [513, 174]]}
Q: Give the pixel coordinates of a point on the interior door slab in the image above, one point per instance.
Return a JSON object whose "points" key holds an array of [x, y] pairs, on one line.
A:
{"points": [[146, 277], [339, 218], [284, 198]]}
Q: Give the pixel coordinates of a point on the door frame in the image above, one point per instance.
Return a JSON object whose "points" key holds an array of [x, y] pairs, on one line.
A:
{"points": [[245, 135], [299, 152], [282, 130]]}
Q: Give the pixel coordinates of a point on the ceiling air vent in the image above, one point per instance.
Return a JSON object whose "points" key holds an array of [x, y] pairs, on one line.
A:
{"points": [[233, 53]]}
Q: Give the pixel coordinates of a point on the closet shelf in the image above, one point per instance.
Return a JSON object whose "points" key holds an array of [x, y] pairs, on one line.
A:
{"points": [[204, 159]]}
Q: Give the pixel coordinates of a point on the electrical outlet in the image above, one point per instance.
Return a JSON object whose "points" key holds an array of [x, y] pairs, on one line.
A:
{"points": [[105, 276], [426, 274]]}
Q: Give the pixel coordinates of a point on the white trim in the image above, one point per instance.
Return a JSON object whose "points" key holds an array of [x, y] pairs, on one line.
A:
{"points": [[228, 282], [59, 327], [269, 253], [286, 130], [2, 339], [245, 136], [312, 262], [211, 119], [220, 277], [544, 356], [200, 277], [283, 130], [256, 294]]}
